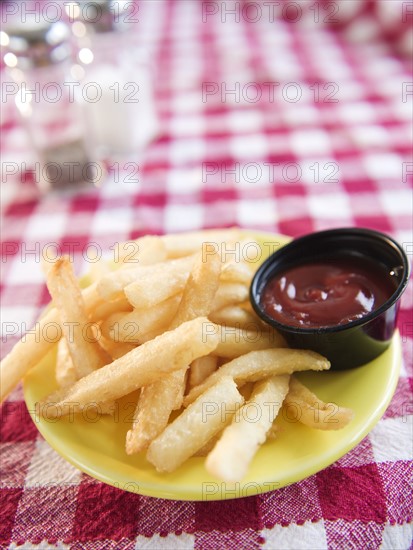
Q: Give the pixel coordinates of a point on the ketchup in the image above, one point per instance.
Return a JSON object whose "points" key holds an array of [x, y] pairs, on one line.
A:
{"points": [[327, 293]]}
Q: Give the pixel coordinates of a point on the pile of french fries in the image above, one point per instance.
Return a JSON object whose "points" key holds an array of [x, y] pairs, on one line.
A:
{"points": [[175, 324]]}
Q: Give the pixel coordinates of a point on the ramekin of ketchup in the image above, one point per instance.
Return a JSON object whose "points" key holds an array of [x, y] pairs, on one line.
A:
{"points": [[336, 292]]}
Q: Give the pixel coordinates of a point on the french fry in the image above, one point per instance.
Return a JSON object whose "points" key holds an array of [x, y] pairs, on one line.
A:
{"points": [[91, 298], [256, 365], [98, 270], [197, 299], [152, 334], [209, 445], [115, 349], [65, 370], [201, 368], [146, 250], [155, 404], [28, 351], [157, 401], [250, 251], [35, 344], [235, 341], [233, 250], [177, 382], [156, 285], [107, 308], [237, 272], [239, 442], [133, 326], [195, 426], [229, 294], [177, 246], [313, 412], [246, 390], [145, 364], [109, 328], [235, 316], [200, 290], [112, 285], [85, 351]]}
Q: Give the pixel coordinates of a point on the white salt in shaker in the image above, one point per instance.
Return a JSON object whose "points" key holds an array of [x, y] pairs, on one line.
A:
{"points": [[116, 87]]}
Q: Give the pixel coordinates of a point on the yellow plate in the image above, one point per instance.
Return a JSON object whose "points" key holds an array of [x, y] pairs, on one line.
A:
{"points": [[95, 444]]}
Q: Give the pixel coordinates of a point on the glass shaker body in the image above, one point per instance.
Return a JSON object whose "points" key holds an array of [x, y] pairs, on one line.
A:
{"points": [[53, 119], [117, 95], [39, 63]]}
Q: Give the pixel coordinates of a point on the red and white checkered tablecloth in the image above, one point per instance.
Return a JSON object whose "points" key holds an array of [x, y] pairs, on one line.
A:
{"points": [[287, 117]]}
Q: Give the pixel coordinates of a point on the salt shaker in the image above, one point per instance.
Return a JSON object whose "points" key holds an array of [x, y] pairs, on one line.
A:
{"points": [[38, 56], [116, 87]]}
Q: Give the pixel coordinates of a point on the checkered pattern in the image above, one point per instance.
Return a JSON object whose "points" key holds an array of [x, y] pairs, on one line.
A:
{"points": [[273, 119]]}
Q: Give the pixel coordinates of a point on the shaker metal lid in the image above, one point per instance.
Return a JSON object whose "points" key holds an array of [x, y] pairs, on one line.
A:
{"points": [[36, 44]]}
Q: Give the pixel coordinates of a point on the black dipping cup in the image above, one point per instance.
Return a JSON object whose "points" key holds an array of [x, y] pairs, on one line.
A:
{"points": [[357, 342]]}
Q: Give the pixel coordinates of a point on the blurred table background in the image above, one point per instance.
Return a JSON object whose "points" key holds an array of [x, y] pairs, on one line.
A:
{"points": [[287, 117]]}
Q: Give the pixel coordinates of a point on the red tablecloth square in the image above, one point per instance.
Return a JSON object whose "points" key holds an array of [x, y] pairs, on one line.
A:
{"points": [[84, 203], [16, 424], [9, 501], [223, 515], [21, 209], [104, 512], [352, 493], [297, 227]]}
